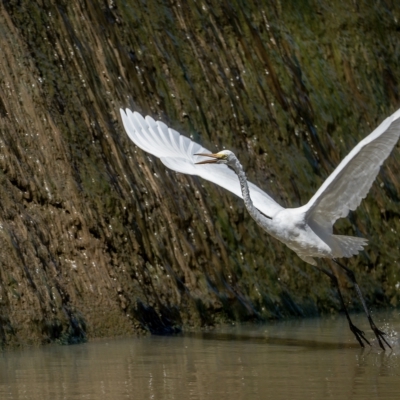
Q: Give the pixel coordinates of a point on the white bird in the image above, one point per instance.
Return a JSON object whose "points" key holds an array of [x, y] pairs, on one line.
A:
{"points": [[307, 230]]}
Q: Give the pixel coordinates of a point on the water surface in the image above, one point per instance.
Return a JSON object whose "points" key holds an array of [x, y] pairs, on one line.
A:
{"points": [[300, 359]]}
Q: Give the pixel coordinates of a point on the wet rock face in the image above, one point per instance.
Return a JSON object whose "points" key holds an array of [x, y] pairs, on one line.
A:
{"points": [[97, 238]]}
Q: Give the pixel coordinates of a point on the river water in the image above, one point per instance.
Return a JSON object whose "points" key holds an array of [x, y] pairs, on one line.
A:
{"points": [[298, 359]]}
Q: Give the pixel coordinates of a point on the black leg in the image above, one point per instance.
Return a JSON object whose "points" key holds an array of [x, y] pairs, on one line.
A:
{"points": [[378, 333], [358, 333]]}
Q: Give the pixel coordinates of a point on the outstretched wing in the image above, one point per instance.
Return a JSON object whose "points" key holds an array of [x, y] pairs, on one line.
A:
{"points": [[351, 180], [177, 152]]}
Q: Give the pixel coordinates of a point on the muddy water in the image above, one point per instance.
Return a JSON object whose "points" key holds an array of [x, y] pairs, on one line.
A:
{"points": [[308, 359]]}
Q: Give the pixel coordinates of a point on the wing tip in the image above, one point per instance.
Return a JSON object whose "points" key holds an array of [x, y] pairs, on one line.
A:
{"points": [[396, 115], [126, 111]]}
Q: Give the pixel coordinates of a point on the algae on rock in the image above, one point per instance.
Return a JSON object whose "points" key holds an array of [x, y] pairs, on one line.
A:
{"points": [[97, 238]]}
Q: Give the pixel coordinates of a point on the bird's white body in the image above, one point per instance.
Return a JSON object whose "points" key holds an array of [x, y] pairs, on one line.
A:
{"points": [[307, 230], [291, 228]]}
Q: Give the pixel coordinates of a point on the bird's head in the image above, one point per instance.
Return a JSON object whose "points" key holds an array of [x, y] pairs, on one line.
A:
{"points": [[222, 157]]}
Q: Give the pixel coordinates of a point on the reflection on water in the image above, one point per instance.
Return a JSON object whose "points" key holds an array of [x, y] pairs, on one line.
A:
{"points": [[307, 359]]}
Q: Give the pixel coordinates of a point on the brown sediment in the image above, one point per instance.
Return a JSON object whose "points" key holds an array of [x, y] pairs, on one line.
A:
{"points": [[99, 239]]}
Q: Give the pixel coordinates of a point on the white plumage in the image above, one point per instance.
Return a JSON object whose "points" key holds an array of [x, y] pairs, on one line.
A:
{"points": [[177, 153], [307, 230]]}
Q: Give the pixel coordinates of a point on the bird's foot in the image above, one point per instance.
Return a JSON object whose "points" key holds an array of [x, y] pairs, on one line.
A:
{"points": [[379, 335], [359, 334]]}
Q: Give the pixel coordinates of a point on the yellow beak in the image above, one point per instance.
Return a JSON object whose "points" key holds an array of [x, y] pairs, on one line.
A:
{"points": [[215, 157]]}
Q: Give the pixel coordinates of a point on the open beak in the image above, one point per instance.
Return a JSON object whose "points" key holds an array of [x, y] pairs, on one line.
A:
{"points": [[215, 158]]}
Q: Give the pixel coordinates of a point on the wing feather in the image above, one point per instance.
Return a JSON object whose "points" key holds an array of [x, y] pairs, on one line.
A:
{"points": [[351, 181], [177, 153]]}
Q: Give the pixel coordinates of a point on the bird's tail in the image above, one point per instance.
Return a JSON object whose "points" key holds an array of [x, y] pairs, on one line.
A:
{"points": [[347, 246]]}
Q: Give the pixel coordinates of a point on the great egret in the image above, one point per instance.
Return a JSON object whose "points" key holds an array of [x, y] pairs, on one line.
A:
{"points": [[307, 230]]}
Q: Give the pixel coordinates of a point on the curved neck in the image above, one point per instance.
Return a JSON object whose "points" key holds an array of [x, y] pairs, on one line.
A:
{"points": [[260, 218]]}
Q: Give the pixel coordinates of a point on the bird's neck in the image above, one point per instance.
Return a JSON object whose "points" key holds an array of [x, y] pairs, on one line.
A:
{"points": [[260, 218]]}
